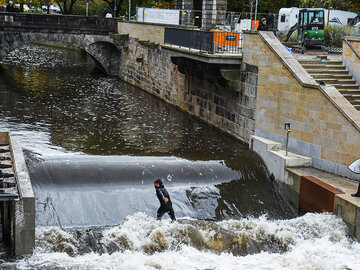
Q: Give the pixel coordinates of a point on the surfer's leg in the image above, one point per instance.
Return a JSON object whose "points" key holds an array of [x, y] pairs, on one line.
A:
{"points": [[172, 214], [160, 213]]}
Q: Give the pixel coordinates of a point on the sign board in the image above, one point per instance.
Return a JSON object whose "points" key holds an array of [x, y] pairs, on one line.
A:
{"points": [[157, 15]]}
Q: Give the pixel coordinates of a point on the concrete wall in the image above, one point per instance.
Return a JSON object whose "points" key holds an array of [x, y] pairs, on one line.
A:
{"points": [[24, 220], [349, 58], [324, 125], [18, 213]]}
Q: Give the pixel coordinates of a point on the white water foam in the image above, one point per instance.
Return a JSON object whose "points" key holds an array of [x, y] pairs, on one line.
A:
{"points": [[313, 241]]}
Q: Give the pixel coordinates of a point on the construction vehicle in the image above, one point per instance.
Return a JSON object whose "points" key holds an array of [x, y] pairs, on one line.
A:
{"points": [[310, 27]]}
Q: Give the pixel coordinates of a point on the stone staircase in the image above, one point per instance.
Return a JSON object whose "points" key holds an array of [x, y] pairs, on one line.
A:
{"points": [[334, 73]]}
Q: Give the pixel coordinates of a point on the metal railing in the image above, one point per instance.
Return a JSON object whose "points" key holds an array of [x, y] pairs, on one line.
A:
{"points": [[357, 55], [192, 39], [214, 41]]}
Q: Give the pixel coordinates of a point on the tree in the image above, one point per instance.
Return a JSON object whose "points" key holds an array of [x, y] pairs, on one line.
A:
{"points": [[336, 4], [115, 3], [165, 4], [66, 6]]}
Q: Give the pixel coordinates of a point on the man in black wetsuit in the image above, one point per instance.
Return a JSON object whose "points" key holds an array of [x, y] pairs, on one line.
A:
{"points": [[164, 199]]}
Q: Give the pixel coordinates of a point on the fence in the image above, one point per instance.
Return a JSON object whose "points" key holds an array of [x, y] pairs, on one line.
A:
{"points": [[214, 41]]}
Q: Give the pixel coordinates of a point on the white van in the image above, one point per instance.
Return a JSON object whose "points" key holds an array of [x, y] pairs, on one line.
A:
{"points": [[339, 17], [288, 17]]}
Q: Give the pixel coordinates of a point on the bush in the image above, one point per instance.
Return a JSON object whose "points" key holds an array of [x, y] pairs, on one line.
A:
{"points": [[334, 34]]}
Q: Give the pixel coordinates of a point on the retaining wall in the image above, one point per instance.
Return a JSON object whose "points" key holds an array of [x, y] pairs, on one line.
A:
{"points": [[349, 58], [149, 67], [324, 125]]}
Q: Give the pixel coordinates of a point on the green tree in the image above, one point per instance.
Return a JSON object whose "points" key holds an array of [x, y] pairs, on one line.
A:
{"points": [[66, 6]]}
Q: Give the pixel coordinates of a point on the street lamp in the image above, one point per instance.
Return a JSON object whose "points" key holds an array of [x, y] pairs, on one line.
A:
{"points": [[129, 9], [115, 8], [255, 14]]}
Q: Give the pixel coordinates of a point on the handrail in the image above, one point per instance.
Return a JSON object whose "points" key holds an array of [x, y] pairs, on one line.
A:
{"points": [[358, 56]]}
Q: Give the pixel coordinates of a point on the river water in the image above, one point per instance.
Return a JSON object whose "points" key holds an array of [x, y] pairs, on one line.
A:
{"points": [[94, 146]]}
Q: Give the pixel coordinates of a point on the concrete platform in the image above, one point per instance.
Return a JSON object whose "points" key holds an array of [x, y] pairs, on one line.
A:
{"points": [[345, 206]]}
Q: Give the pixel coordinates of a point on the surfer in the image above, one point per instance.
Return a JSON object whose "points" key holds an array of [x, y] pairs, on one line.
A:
{"points": [[164, 199]]}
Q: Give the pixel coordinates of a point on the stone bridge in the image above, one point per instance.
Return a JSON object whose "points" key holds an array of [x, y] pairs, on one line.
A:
{"points": [[94, 35]]}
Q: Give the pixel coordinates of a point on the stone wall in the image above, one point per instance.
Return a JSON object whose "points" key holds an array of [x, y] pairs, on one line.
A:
{"points": [[324, 125], [143, 31], [350, 60], [230, 109]]}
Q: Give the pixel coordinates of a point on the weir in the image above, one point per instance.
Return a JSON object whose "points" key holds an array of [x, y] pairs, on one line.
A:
{"points": [[200, 189], [268, 88]]}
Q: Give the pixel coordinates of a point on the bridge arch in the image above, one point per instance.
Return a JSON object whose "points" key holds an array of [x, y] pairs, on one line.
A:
{"points": [[101, 48]]}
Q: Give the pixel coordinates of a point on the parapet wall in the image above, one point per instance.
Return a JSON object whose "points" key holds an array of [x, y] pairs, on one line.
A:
{"points": [[143, 31], [324, 125], [350, 59]]}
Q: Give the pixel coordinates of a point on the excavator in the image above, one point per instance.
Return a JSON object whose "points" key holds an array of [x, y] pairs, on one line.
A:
{"points": [[310, 27]]}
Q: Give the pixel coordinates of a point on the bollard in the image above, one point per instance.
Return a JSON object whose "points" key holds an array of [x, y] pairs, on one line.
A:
{"points": [[287, 128]]}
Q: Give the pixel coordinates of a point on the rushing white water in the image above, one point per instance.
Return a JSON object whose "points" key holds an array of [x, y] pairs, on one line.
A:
{"points": [[312, 241]]}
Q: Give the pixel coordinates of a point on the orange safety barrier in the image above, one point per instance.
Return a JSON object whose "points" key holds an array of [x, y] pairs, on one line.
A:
{"points": [[252, 24], [223, 38]]}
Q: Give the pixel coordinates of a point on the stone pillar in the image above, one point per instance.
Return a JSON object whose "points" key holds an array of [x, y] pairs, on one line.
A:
{"points": [[186, 7], [214, 13]]}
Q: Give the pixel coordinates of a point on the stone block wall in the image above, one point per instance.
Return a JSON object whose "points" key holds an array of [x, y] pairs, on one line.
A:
{"points": [[143, 31], [230, 110], [350, 59], [324, 125]]}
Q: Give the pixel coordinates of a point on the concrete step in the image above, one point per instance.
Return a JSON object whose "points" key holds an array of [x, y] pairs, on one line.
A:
{"points": [[324, 62], [336, 81], [327, 71], [6, 173], [349, 91], [5, 164], [332, 76], [357, 107], [352, 97], [321, 66], [355, 102], [341, 87], [4, 149]]}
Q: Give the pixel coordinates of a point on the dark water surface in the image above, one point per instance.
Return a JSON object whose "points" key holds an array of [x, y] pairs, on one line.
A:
{"points": [[94, 145]]}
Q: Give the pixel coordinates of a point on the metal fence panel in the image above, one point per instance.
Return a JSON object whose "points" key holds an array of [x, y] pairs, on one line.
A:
{"points": [[195, 39]]}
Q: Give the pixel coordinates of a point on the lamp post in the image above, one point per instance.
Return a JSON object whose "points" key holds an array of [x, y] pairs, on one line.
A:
{"points": [[255, 15], [129, 9], [87, 7], [328, 17], [115, 8]]}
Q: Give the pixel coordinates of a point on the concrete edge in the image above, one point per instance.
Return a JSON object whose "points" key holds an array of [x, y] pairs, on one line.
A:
{"points": [[190, 27], [233, 59], [24, 223], [304, 78]]}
